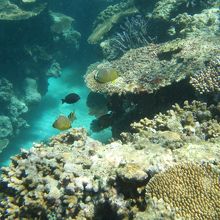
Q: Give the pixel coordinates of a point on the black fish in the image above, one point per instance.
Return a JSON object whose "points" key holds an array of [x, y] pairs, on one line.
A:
{"points": [[102, 122], [71, 98]]}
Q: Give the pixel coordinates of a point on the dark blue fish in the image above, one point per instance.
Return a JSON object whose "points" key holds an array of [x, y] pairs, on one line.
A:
{"points": [[71, 98]]}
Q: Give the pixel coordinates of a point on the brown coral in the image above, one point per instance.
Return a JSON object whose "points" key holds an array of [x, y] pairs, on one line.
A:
{"points": [[194, 119], [208, 80], [149, 68], [192, 190]]}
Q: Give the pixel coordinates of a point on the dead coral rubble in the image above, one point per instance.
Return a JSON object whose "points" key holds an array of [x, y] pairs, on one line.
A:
{"points": [[76, 177]]}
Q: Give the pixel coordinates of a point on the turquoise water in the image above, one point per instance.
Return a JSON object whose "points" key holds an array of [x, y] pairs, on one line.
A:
{"points": [[46, 112]]}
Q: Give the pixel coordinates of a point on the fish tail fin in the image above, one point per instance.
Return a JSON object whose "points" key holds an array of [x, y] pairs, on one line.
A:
{"points": [[62, 100], [72, 116]]}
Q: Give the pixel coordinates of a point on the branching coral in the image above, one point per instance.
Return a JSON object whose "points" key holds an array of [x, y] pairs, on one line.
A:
{"points": [[208, 79], [192, 190], [192, 120]]}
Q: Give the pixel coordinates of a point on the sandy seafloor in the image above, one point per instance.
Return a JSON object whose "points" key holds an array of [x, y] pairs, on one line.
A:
{"points": [[44, 114]]}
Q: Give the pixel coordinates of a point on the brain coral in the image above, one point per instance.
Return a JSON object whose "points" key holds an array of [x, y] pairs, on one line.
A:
{"points": [[149, 68], [192, 190]]}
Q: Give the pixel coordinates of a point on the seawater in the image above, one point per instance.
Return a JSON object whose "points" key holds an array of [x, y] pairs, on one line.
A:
{"points": [[42, 116]]}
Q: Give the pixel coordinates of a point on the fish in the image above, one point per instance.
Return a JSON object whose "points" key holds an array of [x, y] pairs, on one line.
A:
{"points": [[102, 122], [97, 104], [105, 74], [63, 123], [71, 98]]}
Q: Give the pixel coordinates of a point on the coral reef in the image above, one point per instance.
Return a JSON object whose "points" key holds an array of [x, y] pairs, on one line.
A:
{"points": [[74, 176], [37, 42], [165, 166], [11, 11], [193, 191], [204, 23], [110, 16], [167, 9], [6, 129], [208, 80], [12, 110], [62, 29], [192, 121], [132, 33], [149, 68]]}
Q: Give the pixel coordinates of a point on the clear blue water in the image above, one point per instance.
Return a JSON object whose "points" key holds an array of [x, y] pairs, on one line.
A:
{"points": [[46, 112]]}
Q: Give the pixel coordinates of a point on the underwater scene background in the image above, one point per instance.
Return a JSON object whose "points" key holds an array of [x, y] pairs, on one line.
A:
{"points": [[110, 109]]}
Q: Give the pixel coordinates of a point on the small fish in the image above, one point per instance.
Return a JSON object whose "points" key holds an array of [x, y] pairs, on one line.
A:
{"points": [[102, 122], [63, 123], [71, 98]]}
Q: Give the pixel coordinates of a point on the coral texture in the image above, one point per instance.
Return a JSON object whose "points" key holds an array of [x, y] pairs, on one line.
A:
{"points": [[11, 11], [11, 112], [110, 16], [208, 80], [193, 191], [74, 176], [207, 23], [149, 68], [195, 120]]}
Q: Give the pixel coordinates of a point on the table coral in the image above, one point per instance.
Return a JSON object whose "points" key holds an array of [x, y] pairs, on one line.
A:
{"points": [[192, 190], [149, 68]]}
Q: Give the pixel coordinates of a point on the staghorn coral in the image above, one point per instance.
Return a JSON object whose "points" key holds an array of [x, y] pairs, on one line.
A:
{"points": [[149, 68], [191, 190], [208, 79]]}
